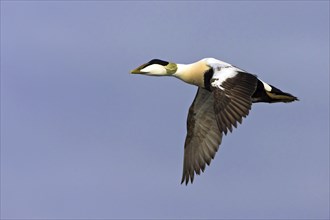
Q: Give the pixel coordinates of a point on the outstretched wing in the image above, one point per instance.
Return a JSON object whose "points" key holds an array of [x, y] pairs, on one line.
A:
{"points": [[213, 113], [203, 135], [232, 97]]}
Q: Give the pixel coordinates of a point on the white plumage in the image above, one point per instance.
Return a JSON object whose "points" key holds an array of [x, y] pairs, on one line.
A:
{"points": [[224, 97]]}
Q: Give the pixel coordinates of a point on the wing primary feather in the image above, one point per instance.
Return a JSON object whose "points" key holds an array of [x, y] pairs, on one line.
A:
{"points": [[203, 136]]}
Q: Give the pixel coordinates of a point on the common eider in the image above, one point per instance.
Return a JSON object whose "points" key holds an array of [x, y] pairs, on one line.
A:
{"points": [[224, 97]]}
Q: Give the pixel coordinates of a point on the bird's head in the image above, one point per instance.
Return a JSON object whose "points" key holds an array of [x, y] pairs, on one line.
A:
{"points": [[156, 67]]}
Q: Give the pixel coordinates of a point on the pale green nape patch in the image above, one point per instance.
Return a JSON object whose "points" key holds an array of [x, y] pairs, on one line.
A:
{"points": [[171, 68]]}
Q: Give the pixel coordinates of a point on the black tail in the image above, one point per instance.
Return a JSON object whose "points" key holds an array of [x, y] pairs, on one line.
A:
{"points": [[271, 95]]}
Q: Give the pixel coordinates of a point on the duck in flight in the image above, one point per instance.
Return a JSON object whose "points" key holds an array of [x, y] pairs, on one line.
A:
{"points": [[224, 97]]}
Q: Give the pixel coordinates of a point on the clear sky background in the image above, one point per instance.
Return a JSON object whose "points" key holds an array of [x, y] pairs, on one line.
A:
{"points": [[82, 138]]}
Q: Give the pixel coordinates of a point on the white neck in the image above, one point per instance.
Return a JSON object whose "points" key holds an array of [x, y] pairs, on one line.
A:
{"points": [[182, 69]]}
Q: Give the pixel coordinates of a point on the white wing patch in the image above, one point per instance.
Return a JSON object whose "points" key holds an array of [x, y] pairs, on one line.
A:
{"points": [[222, 71], [222, 74]]}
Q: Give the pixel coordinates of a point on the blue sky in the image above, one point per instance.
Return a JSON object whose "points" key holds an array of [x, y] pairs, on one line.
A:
{"points": [[82, 138]]}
